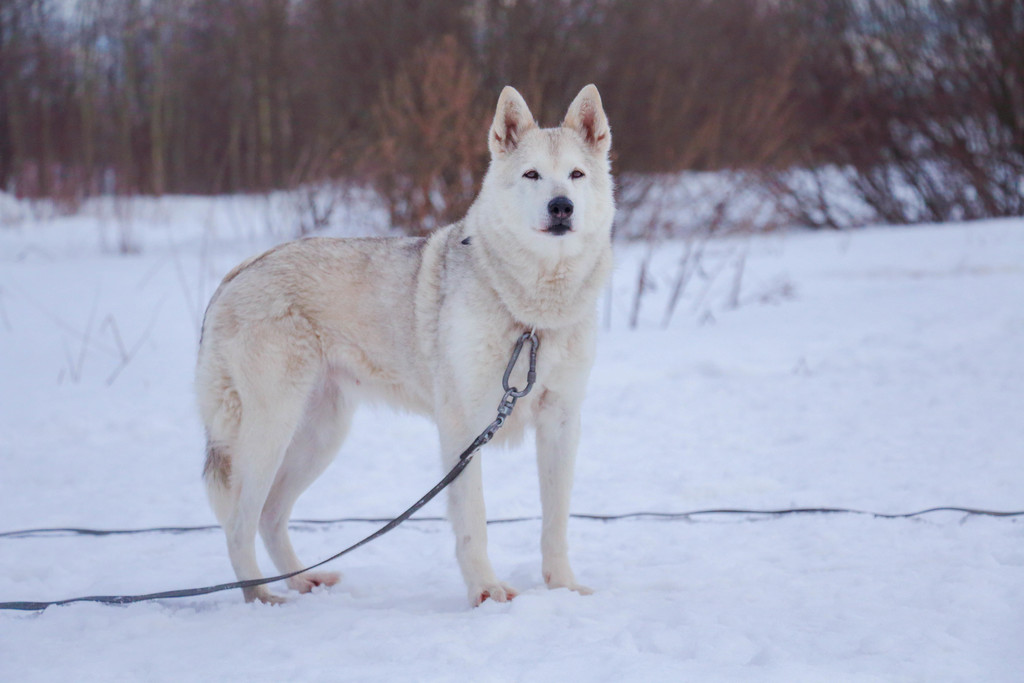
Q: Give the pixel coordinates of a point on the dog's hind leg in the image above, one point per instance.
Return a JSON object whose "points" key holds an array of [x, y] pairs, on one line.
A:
{"points": [[253, 473], [262, 444], [324, 425], [236, 493], [270, 405]]}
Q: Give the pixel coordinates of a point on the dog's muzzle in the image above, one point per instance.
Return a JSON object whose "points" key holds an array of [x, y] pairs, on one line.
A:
{"points": [[560, 213]]}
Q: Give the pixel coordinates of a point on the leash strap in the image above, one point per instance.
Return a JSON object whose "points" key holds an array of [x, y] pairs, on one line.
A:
{"points": [[508, 402]]}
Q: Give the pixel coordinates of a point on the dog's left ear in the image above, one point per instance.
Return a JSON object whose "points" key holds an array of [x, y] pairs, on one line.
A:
{"points": [[586, 116]]}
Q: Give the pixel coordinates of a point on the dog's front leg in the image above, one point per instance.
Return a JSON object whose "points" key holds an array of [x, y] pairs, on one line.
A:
{"points": [[468, 517], [558, 435]]}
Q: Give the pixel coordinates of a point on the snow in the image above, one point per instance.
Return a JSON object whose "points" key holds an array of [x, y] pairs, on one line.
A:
{"points": [[877, 369]]}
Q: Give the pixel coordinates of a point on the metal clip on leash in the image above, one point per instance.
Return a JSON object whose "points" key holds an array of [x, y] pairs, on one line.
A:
{"points": [[512, 394], [508, 402]]}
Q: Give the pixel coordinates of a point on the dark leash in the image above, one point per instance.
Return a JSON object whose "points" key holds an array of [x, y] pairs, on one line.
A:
{"points": [[505, 407]]}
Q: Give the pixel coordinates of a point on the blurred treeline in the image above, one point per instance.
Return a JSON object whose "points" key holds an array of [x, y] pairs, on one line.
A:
{"points": [[920, 103]]}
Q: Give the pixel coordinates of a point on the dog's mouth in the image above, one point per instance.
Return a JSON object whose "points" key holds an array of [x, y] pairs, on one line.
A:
{"points": [[558, 229]]}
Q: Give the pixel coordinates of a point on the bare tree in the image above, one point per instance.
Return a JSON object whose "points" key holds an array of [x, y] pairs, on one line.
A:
{"points": [[917, 105], [431, 142]]}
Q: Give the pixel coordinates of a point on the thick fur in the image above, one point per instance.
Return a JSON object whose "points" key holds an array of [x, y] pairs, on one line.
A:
{"points": [[295, 338]]}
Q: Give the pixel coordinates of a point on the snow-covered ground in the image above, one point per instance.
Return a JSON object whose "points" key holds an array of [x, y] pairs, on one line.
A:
{"points": [[879, 369]]}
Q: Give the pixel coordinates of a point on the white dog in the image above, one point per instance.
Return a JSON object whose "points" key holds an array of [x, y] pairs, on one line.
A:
{"points": [[296, 337]]}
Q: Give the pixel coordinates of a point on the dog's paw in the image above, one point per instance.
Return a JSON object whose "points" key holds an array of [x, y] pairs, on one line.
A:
{"points": [[307, 581], [262, 594], [498, 592], [554, 582]]}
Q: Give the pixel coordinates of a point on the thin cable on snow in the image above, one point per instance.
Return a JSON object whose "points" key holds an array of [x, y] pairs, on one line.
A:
{"points": [[668, 516]]}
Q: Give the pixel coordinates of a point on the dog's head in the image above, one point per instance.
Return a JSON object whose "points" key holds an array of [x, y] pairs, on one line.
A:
{"points": [[553, 186]]}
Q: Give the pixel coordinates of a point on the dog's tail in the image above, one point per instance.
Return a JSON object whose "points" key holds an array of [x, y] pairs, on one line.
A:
{"points": [[217, 475]]}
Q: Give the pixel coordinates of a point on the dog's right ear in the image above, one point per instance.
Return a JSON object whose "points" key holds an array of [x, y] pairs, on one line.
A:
{"points": [[511, 120]]}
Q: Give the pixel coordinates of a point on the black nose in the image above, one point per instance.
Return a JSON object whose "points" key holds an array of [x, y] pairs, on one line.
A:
{"points": [[560, 208]]}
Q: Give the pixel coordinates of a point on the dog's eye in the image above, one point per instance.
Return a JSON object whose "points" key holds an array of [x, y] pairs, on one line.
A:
{"points": [[576, 174], [532, 175]]}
